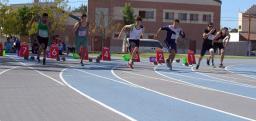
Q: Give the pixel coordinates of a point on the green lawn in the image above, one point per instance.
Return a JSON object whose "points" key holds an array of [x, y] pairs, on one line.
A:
{"points": [[147, 55]]}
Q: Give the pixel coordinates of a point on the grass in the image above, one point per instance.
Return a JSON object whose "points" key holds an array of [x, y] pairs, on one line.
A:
{"points": [[147, 55]]}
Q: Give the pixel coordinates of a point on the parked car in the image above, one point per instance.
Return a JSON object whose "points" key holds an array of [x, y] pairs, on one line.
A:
{"points": [[149, 45], [253, 53]]}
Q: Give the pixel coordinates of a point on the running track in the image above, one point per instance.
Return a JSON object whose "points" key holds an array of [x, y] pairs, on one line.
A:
{"points": [[110, 92]]}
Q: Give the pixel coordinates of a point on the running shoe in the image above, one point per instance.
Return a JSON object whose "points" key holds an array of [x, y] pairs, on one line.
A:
{"points": [[168, 64], [82, 64], [213, 65], [197, 66], [44, 61], [130, 65], [221, 66], [208, 62], [38, 59]]}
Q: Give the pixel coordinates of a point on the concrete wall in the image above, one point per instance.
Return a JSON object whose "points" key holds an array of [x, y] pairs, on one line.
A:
{"points": [[234, 37], [237, 48]]}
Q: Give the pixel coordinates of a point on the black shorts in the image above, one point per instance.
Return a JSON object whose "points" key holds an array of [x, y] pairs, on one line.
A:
{"points": [[207, 45], [171, 45], [218, 45], [43, 40], [134, 42]]}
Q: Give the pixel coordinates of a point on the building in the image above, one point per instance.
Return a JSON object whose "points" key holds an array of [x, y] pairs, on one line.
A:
{"points": [[193, 14], [247, 27]]}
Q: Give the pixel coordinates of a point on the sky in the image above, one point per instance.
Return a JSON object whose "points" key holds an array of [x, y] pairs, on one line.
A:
{"points": [[229, 9]]}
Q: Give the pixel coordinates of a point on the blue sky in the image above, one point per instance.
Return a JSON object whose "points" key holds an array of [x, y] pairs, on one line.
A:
{"points": [[229, 14]]}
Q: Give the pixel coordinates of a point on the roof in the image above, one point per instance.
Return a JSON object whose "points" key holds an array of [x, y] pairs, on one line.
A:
{"points": [[244, 36], [251, 10]]}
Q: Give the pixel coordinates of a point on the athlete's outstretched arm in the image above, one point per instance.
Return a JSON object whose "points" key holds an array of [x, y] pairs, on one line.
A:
{"points": [[142, 34], [157, 33], [123, 29], [75, 28], [217, 36], [227, 40]]}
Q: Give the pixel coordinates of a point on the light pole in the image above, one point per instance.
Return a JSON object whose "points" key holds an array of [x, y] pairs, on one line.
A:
{"points": [[249, 33]]}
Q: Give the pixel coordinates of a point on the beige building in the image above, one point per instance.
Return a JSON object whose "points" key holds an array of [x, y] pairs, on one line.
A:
{"points": [[247, 27], [193, 14]]}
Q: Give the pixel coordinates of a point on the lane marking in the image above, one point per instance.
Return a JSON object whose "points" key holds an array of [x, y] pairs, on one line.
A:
{"points": [[223, 80], [39, 72], [128, 83], [202, 87], [196, 104], [244, 75], [94, 100], [235, 78], [6, 70]]}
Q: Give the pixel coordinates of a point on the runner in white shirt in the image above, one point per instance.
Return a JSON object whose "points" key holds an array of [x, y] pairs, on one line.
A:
{"points": [[135, 34], [173, 33]]}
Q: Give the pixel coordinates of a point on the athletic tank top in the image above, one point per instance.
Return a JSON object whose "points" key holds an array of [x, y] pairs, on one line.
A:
{"points": [[135, 33], [220, 39], [81, 31], [43, 30]]}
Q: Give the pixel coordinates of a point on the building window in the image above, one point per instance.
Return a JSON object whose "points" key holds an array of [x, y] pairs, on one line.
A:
{"points": [[207, 18], [147, 14], [169, 16], [182, 16], [194, 17]]}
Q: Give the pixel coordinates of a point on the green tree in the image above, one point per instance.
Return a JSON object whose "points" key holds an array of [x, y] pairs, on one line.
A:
{"points": [[56, 13], [8, 21], [128, 14], [24, 16]]}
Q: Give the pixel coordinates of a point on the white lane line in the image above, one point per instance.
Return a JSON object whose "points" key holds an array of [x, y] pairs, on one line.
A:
{"points": [[234, 78], [41, 73], [129, 84], [218, 80], [196, 104], [94, 100], [1, 73], [244, 75], [201, 87]]}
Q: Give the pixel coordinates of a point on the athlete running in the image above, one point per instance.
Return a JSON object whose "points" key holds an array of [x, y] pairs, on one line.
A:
{"points": [[174, 32], [81, 32], [221, 41], [208, 37], [43, 36], [136, 33]]}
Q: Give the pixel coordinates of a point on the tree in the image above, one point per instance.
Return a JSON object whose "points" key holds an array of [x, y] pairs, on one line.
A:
{"points": [[24, 16], [82, 9], [17, 21], [128, 14], [104, 28], [8, 21]]}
